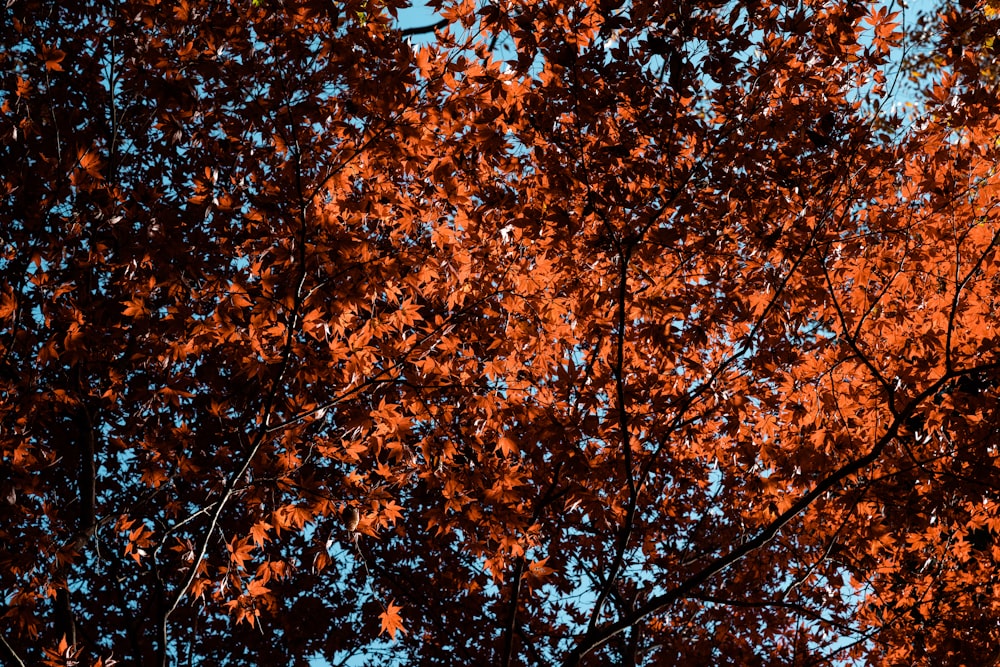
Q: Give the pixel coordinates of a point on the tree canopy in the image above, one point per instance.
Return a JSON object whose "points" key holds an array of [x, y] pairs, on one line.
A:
{"points": [[559, 332]]}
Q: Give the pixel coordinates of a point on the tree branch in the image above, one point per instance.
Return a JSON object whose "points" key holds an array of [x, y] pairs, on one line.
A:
{"points": [[423, 30], [9, 652]]}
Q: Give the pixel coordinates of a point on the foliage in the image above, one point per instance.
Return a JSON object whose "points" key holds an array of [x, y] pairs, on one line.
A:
{"points": [[566, 332]]}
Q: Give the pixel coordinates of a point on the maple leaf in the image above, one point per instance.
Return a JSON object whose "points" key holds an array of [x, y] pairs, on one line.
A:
{"points": [[507, 446], [240, 552], [257, 588], [90, 163], [391, 621], [259, 532], [52, 57], [23, 87]]}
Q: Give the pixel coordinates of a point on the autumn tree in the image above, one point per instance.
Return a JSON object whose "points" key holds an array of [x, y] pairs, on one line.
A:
{"points": [[549, 333]]}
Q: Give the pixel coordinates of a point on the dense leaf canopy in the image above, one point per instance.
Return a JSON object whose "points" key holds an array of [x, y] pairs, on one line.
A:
{"points": [[573, 332]]}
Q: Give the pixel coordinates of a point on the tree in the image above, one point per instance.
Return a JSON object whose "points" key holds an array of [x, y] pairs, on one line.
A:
{"points": [[577, 333]]}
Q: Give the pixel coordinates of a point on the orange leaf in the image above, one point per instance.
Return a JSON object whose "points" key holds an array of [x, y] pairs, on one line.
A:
{"points": [[539, 569], [90, 162], [507, 446], [23, 87], [259, 532], [391, 621], [52, 57], [257, 588]]}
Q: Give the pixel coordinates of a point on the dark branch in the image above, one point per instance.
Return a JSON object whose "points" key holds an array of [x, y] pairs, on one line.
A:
{"points": [[423, 30]]}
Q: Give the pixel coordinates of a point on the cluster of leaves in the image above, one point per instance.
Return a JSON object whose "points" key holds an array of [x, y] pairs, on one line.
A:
{"points": [[616, 332]]}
